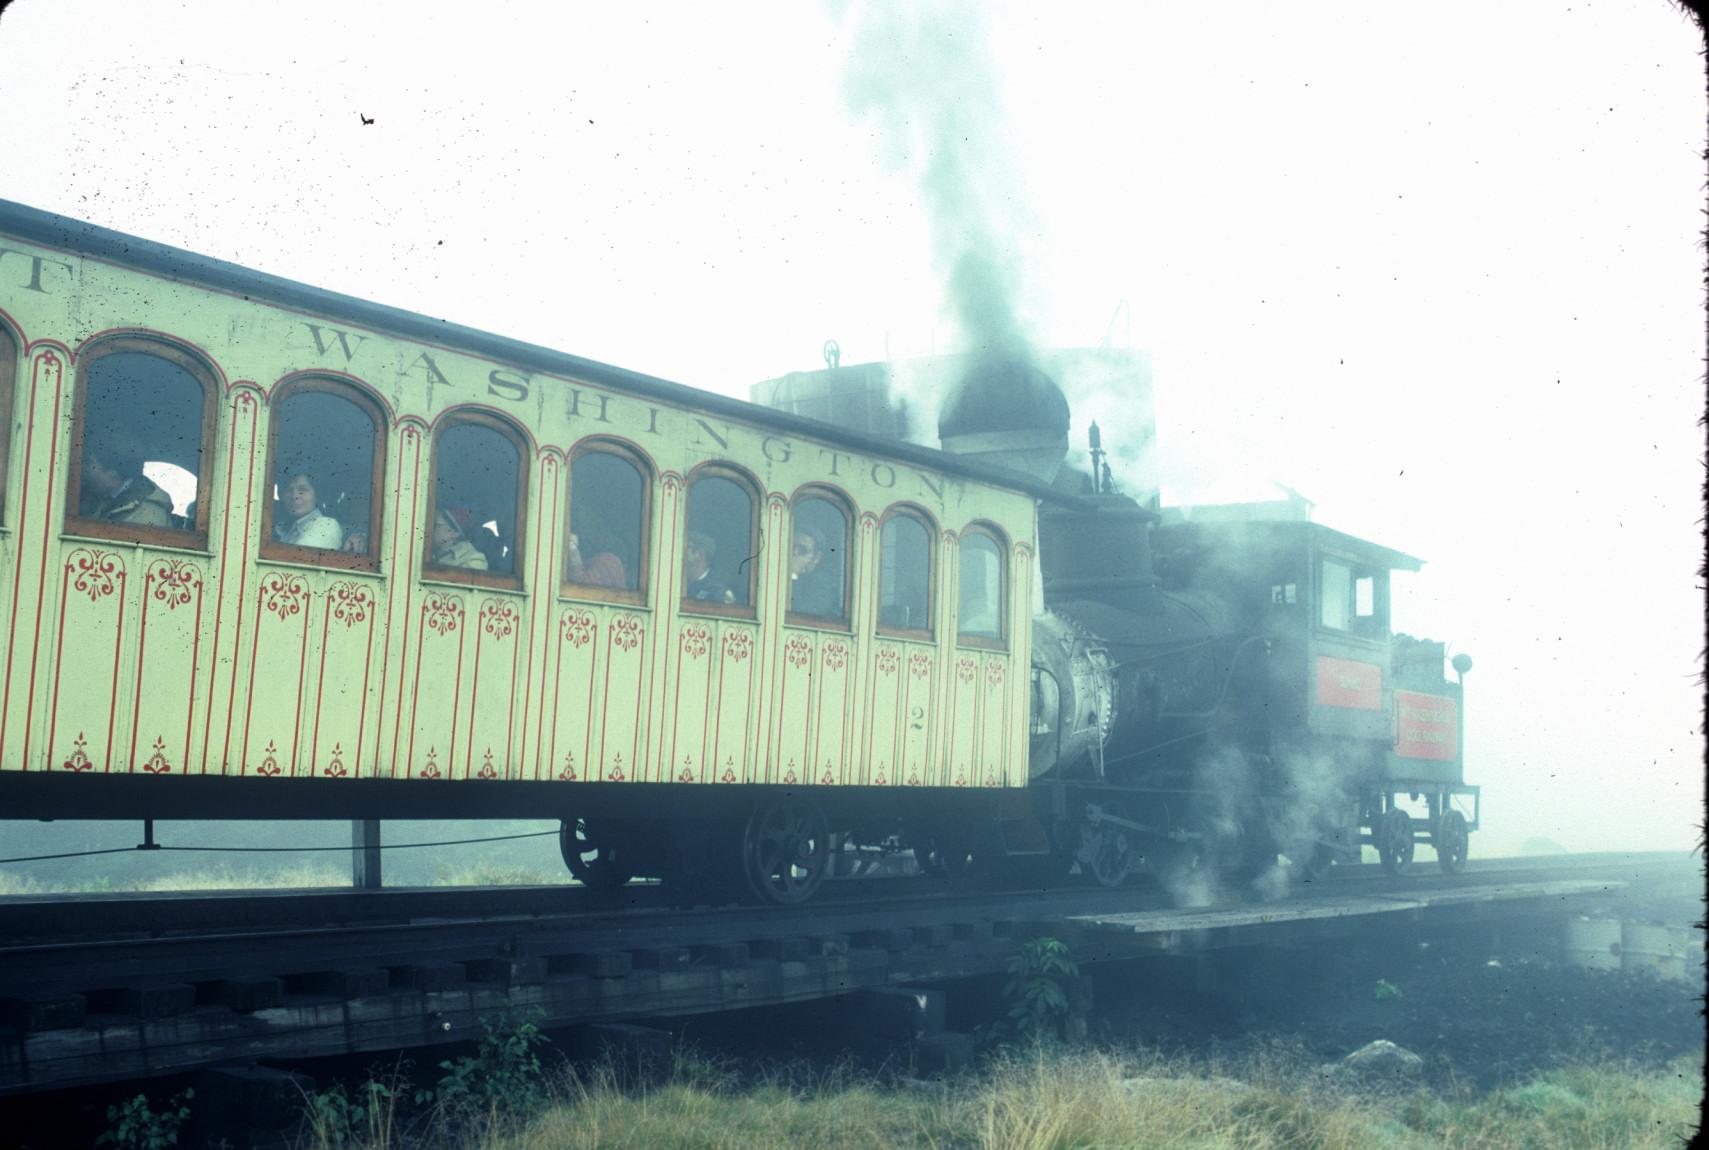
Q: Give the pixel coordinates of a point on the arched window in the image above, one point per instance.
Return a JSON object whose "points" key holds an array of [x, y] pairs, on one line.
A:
{"points": [[819, 555], [605, 556], [8, 384], [326, 454], [478, 492], [719, 572], [141, 457], [905, 583], [981, 597]]}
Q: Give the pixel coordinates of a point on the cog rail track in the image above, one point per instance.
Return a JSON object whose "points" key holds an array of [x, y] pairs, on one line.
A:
{"points": [[176, 983]]}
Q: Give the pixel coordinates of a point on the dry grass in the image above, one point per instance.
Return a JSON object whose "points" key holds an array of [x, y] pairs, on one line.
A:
{"points": [[1042, 1100], [209, 878]]}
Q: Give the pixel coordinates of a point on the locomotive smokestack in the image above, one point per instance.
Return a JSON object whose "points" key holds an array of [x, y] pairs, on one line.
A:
{"points": [[1007, 412]]}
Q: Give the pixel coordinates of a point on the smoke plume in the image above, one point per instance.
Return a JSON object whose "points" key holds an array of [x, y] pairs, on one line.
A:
{"points": [[925, 76]]}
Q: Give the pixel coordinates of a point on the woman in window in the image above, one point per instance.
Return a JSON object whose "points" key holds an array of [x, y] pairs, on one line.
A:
{"points": [[298, 518], [451, 545]]}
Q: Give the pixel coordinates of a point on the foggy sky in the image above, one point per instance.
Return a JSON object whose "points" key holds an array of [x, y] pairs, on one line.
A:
{"points": [[1436, 272]]}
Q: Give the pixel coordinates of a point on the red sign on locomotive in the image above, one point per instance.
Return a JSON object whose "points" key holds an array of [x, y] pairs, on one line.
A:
{"points": [[1425, 726], [1347, 683]]}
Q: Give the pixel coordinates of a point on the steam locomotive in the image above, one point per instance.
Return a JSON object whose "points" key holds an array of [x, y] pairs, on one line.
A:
{"points": [[1006, 662]]}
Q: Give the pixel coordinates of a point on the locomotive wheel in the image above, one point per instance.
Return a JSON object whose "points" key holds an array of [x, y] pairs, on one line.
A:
{"points": [[786, 851], [593, 862], [1394, 842], [1107, 853], [1453, 841]]}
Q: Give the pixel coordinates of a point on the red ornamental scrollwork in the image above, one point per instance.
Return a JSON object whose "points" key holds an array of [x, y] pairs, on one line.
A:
{"points": [[615, 774], [431, 770], [488, 771], [798, 652], [284, 595], [568, 773], [961, 776], [879, 779], [836, 655], [336, 768], [789, 775], [919, 664], [626, 633], [696, 641], [827, 778], [577, 628], [888, 661], [738, 645], [442, 612], [79, 760], [990, 779], [686, 775], [913, 777], [246, 401], [729, 775], [993, 674], [99, 573], [270, 763], [351, 603], [498, 619], [174, 582], [157, 764], [965, 669]]}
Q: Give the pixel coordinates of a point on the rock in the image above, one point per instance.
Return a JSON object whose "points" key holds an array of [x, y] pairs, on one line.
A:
{"points": [[1382, 1060]]}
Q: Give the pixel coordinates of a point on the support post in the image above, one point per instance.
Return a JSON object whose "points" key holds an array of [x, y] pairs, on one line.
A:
{"points": [[365, 858]]}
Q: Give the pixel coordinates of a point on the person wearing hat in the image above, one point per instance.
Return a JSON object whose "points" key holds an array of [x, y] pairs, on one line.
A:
{"points": [[451, 546], [298, 518], [814, 588], [699, 583]]}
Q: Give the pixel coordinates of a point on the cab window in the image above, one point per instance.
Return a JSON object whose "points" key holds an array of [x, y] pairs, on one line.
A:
{"points": [[605, 555], [979, 619], [905, 574], [140, 457], [719, 571], [327, 448], [480, 486], [1351, 598]]}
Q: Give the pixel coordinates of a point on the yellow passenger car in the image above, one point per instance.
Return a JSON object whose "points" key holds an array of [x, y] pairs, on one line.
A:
{"points": [[270, 551]]}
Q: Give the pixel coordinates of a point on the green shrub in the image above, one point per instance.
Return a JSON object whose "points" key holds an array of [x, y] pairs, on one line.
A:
{"points": [[136, 1125]]}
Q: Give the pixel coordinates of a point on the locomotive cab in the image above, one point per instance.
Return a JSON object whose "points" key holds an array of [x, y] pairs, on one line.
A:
{"points": [[1350, 718]]}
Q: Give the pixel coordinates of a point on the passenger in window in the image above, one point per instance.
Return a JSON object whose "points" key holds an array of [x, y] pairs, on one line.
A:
{"points": [[699, 583], [814, 589], [114, 487], [605, 567], [298, 519], [451, 545]]}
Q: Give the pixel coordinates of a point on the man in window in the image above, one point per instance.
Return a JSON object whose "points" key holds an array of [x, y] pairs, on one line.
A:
{"points": [[813, 585], [114, 487], [699, 583]]}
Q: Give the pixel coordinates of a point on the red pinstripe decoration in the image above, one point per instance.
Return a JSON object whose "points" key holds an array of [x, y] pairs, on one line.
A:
{"points": [[411, 438], [99, 574], [173, 582], [50, 363]]}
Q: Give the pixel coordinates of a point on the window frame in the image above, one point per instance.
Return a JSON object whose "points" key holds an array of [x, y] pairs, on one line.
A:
{"points": [[569, 589], [841, 501], [981, 529], [480, 417], [722, 469], [1368, 628], [344, 387], [9, 350], [195, 537], [928, 633]]}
